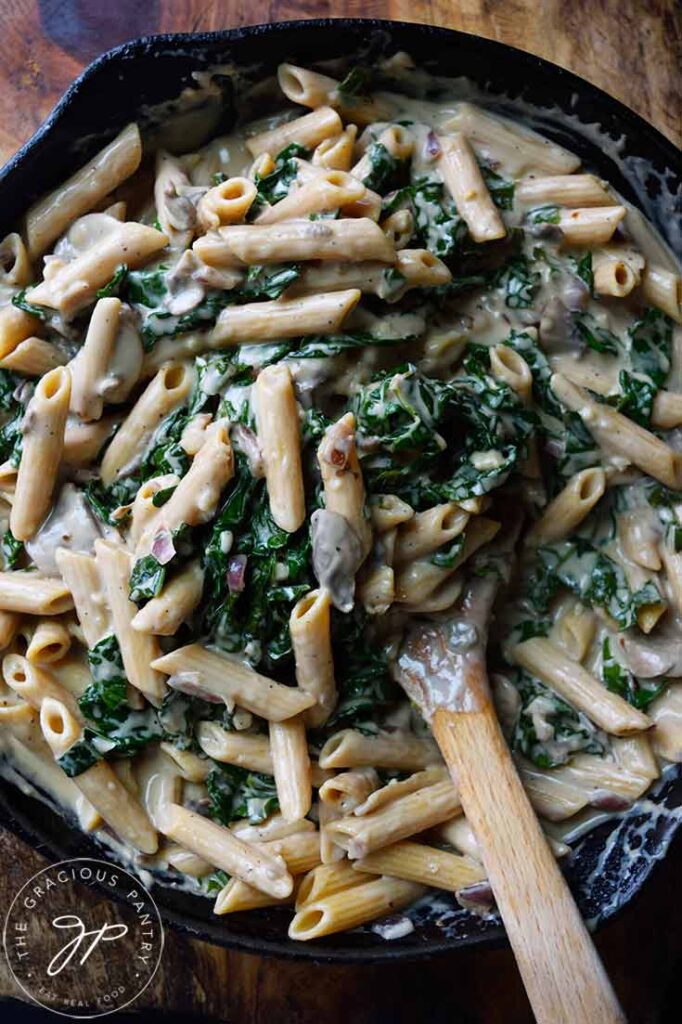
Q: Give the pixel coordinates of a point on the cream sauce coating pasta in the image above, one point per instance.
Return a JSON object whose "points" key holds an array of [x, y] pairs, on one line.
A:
{"points": [[515, 345]]}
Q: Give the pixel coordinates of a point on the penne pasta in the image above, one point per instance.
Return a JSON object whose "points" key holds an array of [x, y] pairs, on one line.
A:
{"points": [[43, 443]]}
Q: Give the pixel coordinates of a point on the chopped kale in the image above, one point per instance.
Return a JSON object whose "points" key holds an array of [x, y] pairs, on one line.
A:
{"points": [[600, 339], [582, 268], [275, 186], [635, 398], [520, 283], [548, 730], [239, 793], [649, 343], [12, 549], [113, 287], [384, 170], [116, 728], [544, 215], [21, 302], [501, 189], [592, 576], [618, 679], [356, 83]]}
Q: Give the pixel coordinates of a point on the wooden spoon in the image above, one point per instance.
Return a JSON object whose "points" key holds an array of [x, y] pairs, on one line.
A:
{"points": [[442, 666]]}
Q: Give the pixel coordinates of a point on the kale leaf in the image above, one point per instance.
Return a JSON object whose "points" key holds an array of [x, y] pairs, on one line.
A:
{"points": [[238, 793], [618, 679]]}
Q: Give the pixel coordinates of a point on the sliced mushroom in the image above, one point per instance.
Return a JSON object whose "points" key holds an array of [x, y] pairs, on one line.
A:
{"points": [[648, 659], [337, 556]]}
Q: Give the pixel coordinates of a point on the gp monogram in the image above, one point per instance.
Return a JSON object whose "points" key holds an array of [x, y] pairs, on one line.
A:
{"points": [[83, 938]]}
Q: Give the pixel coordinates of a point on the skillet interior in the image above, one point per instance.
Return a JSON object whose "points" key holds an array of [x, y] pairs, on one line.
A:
{"points": [[643, 165]]}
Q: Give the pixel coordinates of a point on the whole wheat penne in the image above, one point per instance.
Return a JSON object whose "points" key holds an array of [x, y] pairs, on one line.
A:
{"points": [[344, 487], [465, 183], [34, 684], [195, 499], [326, 192], [228, 679], [169, 388], [326, 879], [311, 89], [84, 441], [164, 615], [88, 370], [15, 263], [243, 749], [308, 131], [279, 437], [570, 507], [48, 218], [99, 784], [73, 285], [395, 788], [9, 627], [351, 749], [663, 289], [282, 318], [138, 650], [50, 642], [350, 908], [347, 790], [563, 190], [33, 358], [291, 767], [350, 239], [417, 862], [617, 434], [336, 152], [32, 594], [15, 326], [427, 531], [310, 629], [81, 576], [43, 430], [606, 709], [254, 864], [400, 819], [514, 146], [591, 226]]}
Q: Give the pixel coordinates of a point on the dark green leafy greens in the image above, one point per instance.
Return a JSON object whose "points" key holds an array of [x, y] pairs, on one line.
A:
{"points": [[598, 338], [520, 283], [618, 679], [649, 344], [238, 793], [12, 549], [117, 728], [147, 291], [548, 730], [592, 576]]}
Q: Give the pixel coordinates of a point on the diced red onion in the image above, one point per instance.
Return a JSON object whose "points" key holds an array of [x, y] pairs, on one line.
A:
{"points": [[604, 800], [554, 447], [432, 146], [246, 441], [190, 683], [163, 548], [236, 568], [478, 898]]}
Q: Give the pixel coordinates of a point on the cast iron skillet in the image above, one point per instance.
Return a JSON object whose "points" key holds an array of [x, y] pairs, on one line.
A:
{"points": [[644, 166]]}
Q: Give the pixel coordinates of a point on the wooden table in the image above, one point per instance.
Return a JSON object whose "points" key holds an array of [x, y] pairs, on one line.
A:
{"points": [[632, 49]]}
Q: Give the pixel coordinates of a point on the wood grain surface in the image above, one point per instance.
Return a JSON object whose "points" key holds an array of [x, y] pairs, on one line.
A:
{"points": [[633, 50]]}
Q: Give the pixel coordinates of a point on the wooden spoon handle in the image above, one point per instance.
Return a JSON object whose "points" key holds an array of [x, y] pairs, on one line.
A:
{"points": [[561, 969]]}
